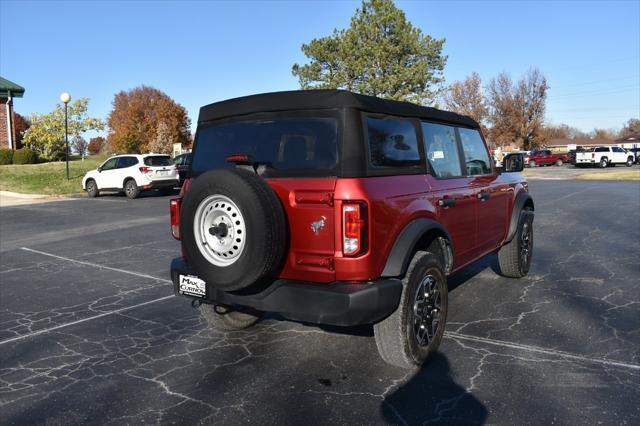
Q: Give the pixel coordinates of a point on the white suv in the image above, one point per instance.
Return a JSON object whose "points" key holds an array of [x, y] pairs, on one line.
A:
{"points": [[132, 173]]}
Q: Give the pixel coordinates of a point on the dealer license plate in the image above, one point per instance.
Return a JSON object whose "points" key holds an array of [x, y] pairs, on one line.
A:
{"points": [[192, 286]]}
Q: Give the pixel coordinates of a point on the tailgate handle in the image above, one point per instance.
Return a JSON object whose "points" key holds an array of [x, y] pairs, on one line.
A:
{"points": [[447, 202], [484, 196]]}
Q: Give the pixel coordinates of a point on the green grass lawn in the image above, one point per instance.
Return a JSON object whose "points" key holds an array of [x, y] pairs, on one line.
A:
{"points": [[47, 178]]}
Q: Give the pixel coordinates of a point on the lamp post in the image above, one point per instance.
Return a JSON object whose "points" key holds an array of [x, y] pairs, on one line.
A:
{"points": [[65, 98]]}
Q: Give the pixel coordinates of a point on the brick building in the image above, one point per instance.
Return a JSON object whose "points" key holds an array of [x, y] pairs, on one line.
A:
{"points": [[8, 91]]}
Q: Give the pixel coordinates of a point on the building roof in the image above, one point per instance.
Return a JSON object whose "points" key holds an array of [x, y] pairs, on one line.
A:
{"points": [[10, 89], [633, 137], [325, 99], [580, 142]]}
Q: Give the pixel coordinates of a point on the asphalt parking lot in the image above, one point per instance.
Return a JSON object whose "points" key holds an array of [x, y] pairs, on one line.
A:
{"points": [[91, 331]]}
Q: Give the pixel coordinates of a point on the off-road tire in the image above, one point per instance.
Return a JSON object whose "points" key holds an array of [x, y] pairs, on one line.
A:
{"points": [[131, 189], [92, 188], [511, 259], [604, 162], [396, 335], [228, 320], [264, 238]]}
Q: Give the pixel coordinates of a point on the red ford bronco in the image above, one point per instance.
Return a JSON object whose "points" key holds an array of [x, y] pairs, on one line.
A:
{"points": [[330, 207]]}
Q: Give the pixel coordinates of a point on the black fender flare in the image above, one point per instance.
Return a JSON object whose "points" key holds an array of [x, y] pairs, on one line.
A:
{"points": [[518, 205], [403, 248]]}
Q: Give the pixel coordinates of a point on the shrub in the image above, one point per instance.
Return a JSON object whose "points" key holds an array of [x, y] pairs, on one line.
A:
{"points": [[6, 156], [24, 156]]}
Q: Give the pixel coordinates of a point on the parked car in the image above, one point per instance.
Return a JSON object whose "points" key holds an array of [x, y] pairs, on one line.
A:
{"points": [[544, 157], [604, 156], [182, 162], [132, 173], [331, 207]]}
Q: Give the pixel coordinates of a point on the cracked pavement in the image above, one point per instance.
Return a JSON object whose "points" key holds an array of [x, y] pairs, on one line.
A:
{"points": [[90, 332]]}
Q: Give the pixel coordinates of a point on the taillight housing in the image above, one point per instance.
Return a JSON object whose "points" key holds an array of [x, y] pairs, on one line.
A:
{"points": [[354, 228], [144, 169], [174, 209]]}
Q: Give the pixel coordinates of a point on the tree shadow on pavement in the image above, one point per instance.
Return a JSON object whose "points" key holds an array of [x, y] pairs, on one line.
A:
{"points": [[432, 396]]}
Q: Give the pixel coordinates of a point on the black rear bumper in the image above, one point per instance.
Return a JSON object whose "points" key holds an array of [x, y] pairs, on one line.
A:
{"points": [[337, 303]]}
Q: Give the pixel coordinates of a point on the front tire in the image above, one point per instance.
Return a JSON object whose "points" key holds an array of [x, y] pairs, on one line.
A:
{"points": [[92, 188], [604, 163], [532, 164], [225, 319], [515, 256], [559, 163], [629, 162], [131, 189], [410, 335]]}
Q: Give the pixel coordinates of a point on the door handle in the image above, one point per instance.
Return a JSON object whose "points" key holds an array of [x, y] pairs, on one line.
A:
{"points": [[447, 202], [484, 196]]}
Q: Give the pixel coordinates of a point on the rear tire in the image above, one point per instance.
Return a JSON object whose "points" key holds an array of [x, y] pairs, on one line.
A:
{"points": [[131, 189], [225, 319], [604, 163], [532, 163], [515, 256], [92, 188], [409, 336], [559, 163], [629, 162]]}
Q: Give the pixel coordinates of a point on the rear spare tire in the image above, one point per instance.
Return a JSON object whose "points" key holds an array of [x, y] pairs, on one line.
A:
{"points": [[233, 228]]}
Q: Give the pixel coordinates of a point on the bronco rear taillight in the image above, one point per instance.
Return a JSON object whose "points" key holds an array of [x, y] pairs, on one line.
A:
{"points": [[174, 208], [354, 228]]}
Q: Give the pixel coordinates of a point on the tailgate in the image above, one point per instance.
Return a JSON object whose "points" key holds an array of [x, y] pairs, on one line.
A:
{"points": [[308, 204]]}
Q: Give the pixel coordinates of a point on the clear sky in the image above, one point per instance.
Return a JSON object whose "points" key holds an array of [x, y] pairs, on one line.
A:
{"points": [[200, 52]]}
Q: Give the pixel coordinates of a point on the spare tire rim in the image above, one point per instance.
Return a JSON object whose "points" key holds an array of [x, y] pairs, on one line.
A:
{"points": [[219, 228], [426, 310]]}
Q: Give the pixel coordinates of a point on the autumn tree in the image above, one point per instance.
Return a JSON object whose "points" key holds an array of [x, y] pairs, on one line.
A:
{"points": [[516, 111], [96, 145], [379, 54], [46, 134], [608, 134], [561, 131], [145, 119], [465, 97], [21, 125]]}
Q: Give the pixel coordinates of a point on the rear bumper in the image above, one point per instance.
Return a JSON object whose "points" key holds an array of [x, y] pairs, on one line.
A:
{"points": [[157, 184], [338, 303]]}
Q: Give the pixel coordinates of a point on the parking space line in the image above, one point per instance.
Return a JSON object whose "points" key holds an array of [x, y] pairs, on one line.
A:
{"points": [[537, 349], [68, 324], [96, 265]]}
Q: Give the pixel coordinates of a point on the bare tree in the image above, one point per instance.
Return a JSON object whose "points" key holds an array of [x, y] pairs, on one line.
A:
{"points": [[517, 111], [80, 145], [465, 97]]}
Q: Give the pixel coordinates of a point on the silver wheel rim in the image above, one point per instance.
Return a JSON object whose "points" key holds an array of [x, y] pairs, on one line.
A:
{"points": [[219, 228], [90, 187], [426, 310], [130, 189]]}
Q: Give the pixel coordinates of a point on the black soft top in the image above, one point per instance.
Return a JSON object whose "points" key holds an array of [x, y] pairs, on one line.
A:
{"points": [[325, 99]]}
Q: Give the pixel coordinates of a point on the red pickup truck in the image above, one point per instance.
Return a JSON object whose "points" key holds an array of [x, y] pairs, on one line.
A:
{"points": [[544, 157]]}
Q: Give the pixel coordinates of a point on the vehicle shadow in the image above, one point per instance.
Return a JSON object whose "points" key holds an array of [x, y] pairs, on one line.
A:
{"points": [[433, 396]]}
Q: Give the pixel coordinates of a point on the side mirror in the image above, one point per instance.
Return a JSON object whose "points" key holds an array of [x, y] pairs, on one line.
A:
{"points": [[99, 169], [513, 163]]}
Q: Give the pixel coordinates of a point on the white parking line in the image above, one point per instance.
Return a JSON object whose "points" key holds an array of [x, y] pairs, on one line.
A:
{"points": [[96, 265], [451, 335], [68, 324], [537, 349]]}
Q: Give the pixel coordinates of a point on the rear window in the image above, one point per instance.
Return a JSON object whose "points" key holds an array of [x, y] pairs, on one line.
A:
{"points": [[158, 161], [303, 143]]}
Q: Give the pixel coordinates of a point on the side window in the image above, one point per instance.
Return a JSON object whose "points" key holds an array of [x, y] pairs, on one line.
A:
{"points": [[110, 164], [618, 149], [124, 162], [602, 149], [475, 152], [178, 160], [441, 150], [392, 143]]}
